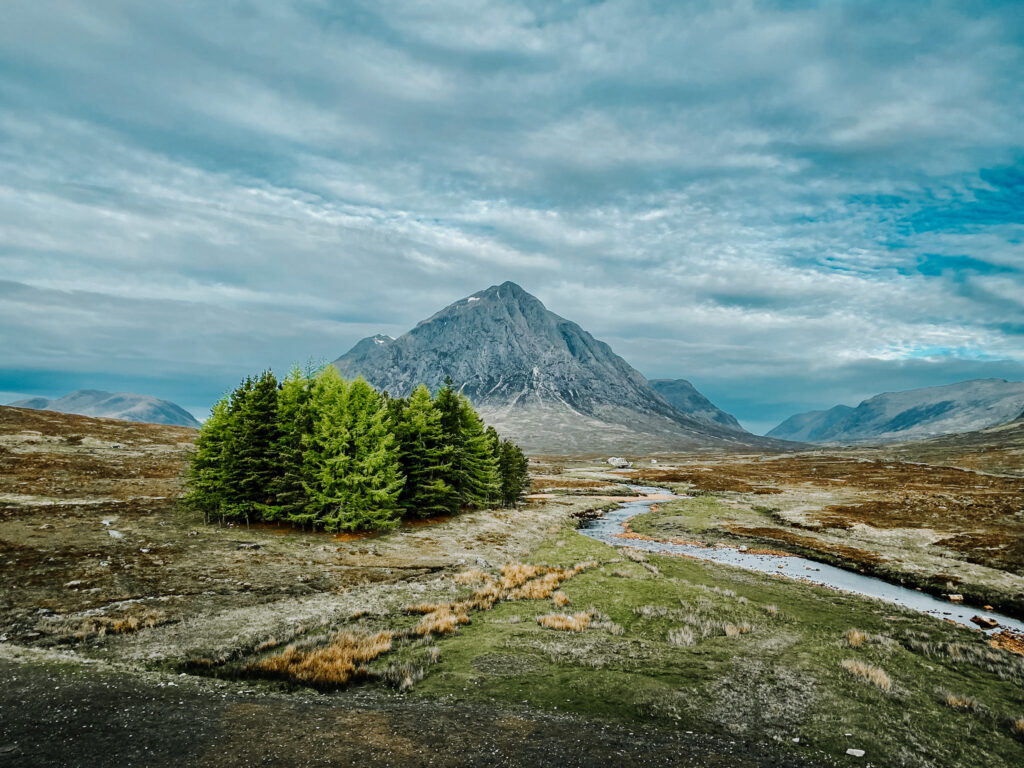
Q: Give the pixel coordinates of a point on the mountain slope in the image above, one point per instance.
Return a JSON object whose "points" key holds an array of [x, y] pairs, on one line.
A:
{"points": [[911, 415], [122, 405], [538, 377], [683, 396]]}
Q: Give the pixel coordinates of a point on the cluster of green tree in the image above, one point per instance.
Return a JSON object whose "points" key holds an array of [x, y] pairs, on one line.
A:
{"points": [[318, 450]]}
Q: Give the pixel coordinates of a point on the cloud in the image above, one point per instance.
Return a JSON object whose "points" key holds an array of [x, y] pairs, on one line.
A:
{"points": [[797, 200]]}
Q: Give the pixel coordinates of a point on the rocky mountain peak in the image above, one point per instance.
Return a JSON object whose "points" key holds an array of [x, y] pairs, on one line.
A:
{"points": [[541, 377]]}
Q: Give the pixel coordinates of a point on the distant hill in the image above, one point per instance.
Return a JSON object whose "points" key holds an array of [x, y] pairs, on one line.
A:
{"points": [[683, 396], [911, 415], [121, 405], [539, 378]]}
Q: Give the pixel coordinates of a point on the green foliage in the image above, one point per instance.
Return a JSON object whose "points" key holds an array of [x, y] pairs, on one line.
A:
{"points": [[424, 455], [514, 471], [321, 451]]}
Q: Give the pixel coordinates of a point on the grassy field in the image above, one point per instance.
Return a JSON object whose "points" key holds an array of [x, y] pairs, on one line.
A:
{"points": [[710, 648], [943, 529], [499, 616]]}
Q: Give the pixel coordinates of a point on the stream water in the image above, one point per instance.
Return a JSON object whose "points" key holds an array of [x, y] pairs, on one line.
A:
{"points": [[609, 527]]}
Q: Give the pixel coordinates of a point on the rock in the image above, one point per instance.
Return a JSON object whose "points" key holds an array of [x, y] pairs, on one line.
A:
{"points": [[75, 583], [482, 563], [619, 462], [855, 752], [989, 608], [956, 598], [249, 545], [116, 534], [985, 622]]}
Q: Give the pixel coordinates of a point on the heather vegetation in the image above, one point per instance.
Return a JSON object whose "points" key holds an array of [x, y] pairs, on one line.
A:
{"points": [[319, 451]]}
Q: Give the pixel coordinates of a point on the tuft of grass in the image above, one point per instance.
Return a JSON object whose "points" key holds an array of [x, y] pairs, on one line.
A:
{"points": [[560, 599], [402, 676], [443, 620], [682, 636], [734, 630], [869, 674], [1017, 727], [771, 610], [472, 576], [341, 660], [855, 638], [576, 622], [960, 702]]}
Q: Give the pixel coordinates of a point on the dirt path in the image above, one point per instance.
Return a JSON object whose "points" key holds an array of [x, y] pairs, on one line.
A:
{"points": [[71, 715]]}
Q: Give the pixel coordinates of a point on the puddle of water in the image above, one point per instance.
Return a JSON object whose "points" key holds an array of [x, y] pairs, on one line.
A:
{"points": [[609, 529]]}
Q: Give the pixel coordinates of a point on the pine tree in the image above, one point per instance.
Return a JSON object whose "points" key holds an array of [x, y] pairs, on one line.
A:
{"points": [[255, 431], [206, 481], [327, 458], [424, 457], [479, 464], [514, 470], [373, 481], [473, 470], [295, 427]]}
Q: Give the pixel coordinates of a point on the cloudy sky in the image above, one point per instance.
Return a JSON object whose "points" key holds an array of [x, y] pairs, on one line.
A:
{"points": [[791, 204]]}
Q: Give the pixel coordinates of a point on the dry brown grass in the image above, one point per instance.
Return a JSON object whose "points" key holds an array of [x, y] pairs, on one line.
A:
{"points": [[472, 576], [868, 674], [735, 630], [442, 621], [855, 638], [771, 610], [519, 581], [338, 662], [960, 702], [1017, 727], [564, 622], [560, 599]]}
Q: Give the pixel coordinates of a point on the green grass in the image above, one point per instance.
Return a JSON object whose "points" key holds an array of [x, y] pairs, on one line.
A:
{"points": [[783, 679], [693, 516]]}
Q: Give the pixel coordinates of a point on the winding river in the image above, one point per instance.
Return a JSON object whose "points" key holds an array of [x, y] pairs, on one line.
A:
{"points": [[608, 529]]}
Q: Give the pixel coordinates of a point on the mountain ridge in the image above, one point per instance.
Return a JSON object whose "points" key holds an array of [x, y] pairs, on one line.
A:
{"points": [[910, 414], [126, 406]]}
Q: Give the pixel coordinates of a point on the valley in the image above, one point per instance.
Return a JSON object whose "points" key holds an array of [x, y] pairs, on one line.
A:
{"points": [[120, 596]]}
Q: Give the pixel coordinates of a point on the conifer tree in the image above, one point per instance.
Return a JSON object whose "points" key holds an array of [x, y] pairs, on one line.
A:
{"points": [[424, 457], [473, 471], [479, 464], [206, 481], [326, 460], [373, 480], [255, 433], [295, 427], [514, 470]]}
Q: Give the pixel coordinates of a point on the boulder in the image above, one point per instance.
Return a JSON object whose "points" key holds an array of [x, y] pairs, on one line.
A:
{"points": [[619, 463], [956, 598], [985, 622]]}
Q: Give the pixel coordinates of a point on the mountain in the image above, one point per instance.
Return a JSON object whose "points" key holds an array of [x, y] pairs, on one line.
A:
{"points": [[537, 377], [683, 396], [911, 415], [122, 405]]}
